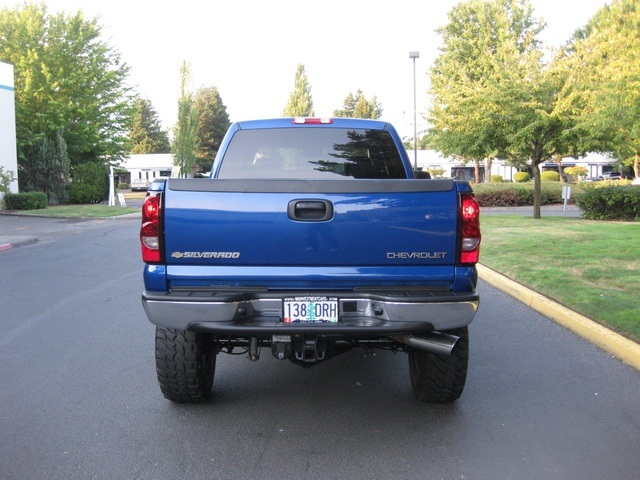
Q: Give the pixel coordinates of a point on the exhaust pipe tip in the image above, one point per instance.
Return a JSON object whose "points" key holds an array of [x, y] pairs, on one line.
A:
{"points": [[433, 342]]}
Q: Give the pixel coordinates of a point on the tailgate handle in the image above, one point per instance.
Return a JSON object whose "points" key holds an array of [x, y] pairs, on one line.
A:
{"points": [[310, 210]]}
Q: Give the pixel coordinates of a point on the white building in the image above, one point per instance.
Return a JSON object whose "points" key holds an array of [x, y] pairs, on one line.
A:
{"points": [[595, 163], [148, 166], [8, 148]]}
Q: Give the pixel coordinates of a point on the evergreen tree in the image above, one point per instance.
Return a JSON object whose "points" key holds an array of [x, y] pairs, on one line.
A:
{"points": [[300, 103], [184, 142], [146, 133], [357, 106], [45, 167], [213, 122]]}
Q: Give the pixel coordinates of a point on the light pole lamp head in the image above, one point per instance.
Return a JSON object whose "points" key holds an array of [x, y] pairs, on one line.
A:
{"points": [[414, 54]]}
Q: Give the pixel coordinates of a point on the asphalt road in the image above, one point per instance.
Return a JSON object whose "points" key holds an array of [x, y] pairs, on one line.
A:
{"points": [[79, 398]]}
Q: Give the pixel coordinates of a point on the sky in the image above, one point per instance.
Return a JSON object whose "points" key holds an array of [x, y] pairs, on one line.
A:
{"points": [[249, 49]]}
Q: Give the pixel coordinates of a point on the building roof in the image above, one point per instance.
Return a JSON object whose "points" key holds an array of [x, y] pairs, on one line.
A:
{"points": [[150, 161]]}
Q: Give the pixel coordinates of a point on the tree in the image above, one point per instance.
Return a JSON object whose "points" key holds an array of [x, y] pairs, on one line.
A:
{"points": [[213, 123], [45, 167], [357, 106], [464, 124], [300, 103], [66, 79], [492, 94], [602, 90], [184, 142], [146, 132]]}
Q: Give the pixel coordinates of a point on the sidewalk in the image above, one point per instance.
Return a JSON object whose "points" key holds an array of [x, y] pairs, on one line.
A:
{"points": [[8, 242]]}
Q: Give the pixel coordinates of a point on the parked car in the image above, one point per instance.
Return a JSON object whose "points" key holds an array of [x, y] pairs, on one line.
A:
{"points": [[612, 176], [156, 185], [140, 185]]}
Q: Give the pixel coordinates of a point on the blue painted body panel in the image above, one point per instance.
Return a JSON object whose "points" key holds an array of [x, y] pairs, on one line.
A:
{"points": [[248, 239], [365, 230]]}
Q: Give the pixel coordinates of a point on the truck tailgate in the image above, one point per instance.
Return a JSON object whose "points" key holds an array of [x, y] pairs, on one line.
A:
{"points": [[310, 223]]}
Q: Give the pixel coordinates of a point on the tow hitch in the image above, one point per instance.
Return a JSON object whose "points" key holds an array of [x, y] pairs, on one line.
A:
{"points": [[309, 350], [299, 349]]}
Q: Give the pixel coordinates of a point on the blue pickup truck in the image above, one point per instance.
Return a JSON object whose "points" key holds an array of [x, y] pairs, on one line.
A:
{"points": [[312, 237]]}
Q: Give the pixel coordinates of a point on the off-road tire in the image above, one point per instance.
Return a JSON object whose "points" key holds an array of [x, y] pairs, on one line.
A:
{"points": [[185, 365], [440, 378]]}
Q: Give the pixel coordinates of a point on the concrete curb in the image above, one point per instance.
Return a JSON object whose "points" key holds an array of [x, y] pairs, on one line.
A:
{"points": [[611, 342], [7, 243]]}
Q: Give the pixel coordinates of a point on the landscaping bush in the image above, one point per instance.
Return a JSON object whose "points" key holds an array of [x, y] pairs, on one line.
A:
{"points": [[90, 183], [496, 178], [610, 202], [25, 201], [516, 195], [550, 176], [521, 177]]}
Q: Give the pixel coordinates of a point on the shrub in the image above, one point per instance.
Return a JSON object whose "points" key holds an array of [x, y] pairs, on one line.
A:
{"points": [[436, 172], [496, 178], [516, 195], [610, 202], [90, 183], [521, 177], [576, 171], [25, 201], [123, 185], [550, 176]]}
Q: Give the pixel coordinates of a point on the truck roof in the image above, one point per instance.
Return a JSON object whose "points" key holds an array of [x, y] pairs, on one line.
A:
{"points": [[314, 122]]}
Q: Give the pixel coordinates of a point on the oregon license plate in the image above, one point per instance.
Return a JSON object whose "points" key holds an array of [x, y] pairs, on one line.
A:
{"points": [[310, 310]]}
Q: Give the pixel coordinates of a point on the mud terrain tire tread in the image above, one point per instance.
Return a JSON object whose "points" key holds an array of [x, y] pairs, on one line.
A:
{"points": [[185, 365], [440, 378]]}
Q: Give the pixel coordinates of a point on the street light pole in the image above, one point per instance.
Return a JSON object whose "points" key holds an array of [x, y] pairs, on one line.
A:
{"points": [[414, 55]]}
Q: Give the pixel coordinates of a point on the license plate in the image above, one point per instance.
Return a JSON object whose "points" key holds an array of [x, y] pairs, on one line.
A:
{"points": [[310, 310]]}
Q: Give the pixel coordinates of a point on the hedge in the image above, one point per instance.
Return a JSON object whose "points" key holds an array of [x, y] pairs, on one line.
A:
{"points": [[514, 195], [25, 201], [610, 202]]}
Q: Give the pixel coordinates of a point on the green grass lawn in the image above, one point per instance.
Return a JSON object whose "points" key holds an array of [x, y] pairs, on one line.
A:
{"points": [[590, 267], [80, 211]]}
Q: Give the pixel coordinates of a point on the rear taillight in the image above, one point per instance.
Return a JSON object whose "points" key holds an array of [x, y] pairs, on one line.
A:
{"points": [[150, 230], [469, 229]]}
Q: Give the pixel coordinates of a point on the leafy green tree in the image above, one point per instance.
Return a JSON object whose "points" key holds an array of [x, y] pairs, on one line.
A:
{"points": [[357, 106], [602, 91], [66, 79], [300, 103], [492, 94], [6, 179], [146, 132], [185, 131], [213, 123]]}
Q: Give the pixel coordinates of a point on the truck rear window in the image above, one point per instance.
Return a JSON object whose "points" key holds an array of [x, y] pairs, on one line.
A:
{"points": [[312, 153]]}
